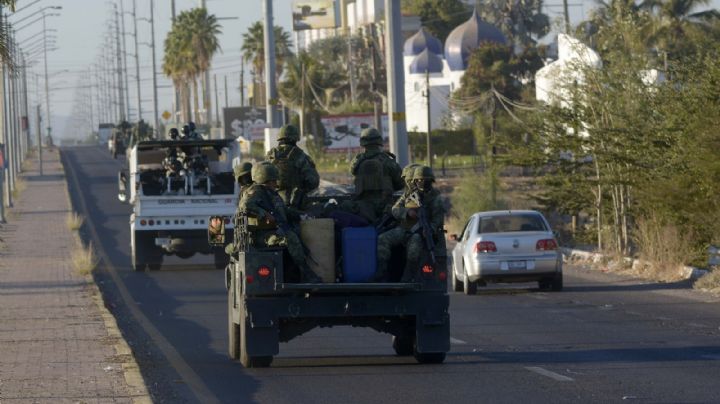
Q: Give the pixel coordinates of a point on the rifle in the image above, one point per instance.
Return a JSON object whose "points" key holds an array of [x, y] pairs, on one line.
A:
{"points": [[386, 222], [424, 226]]}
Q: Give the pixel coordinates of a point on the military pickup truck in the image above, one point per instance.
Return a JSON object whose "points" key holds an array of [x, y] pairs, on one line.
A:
{"points": [[174, 186], [265, 308]]}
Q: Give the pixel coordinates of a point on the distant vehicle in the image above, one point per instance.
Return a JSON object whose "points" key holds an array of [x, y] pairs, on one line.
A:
{"points": [[506, 246], [104, 133], [117, 143], [174, 186]]}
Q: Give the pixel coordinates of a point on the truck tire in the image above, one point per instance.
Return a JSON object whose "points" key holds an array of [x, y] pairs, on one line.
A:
{"points": [[430, 357], [233, 329], [221, 259], [404, 345], [245, 359]]}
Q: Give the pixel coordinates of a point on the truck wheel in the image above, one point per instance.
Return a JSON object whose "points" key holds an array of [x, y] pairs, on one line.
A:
{"points": [[245, 359], [457, 285], [470, 288], [137, 257], [220, 258], [403, 345], [233, 329], [430, 358]]}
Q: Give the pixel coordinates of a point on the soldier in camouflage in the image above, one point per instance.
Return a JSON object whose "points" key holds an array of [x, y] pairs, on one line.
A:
{"points": [[271, 229], [406, 211], [243, 174], [376, 175], [297, 173], [407, 176]]}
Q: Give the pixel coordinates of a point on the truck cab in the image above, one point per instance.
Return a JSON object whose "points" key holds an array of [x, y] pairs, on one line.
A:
{"points": [[173, 187]]}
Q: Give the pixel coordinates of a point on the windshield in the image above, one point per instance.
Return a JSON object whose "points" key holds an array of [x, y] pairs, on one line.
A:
{"points": [[511, 223]]}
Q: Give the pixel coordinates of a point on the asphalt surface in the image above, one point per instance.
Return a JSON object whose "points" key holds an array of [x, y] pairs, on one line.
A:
{"points": [[605, 338]]}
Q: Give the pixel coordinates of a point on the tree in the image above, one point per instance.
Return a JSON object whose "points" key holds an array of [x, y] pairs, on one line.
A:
{"points": [[522, 22], [189, 48], [439, 17], [253, 49], [4, 50], [675, 22]]}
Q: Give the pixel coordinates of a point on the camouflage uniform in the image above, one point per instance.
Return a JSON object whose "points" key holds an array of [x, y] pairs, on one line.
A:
{"points": [[407, 234], [377, 176], [298, 175], [262, 202]]}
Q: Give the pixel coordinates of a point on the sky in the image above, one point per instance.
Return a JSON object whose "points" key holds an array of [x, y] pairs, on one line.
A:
{"points": [[81, 30]]}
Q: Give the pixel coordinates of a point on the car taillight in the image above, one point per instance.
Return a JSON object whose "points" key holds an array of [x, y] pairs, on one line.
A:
{"points": [[249, 278], [442, 276], [263, 272], [427, 269], [143, 222], [484, 247], [547, 244]]}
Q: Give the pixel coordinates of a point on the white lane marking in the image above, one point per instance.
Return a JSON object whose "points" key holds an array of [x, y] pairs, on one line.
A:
{"points": [[456, 341], [550, 374]]}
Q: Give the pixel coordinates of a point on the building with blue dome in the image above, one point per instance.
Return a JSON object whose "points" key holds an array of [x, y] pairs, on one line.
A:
{"points": [[437, 70]]}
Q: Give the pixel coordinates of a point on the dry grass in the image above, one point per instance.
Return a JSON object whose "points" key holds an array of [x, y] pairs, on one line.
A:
{"points": [[663, 248], [74, 221], [83, 258], [710, 282], [20, 187]]}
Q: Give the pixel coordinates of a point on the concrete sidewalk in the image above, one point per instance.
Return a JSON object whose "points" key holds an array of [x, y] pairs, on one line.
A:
{"points": [[58, 343]]}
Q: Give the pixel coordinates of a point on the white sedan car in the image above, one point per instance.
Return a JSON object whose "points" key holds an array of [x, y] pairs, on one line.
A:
{"points": [[506, 246]]}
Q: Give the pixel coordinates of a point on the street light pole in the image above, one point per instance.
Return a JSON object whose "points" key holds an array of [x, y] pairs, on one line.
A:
{"points": [[270, 87], [154, 73], [47, 87], [124, 57], [137, 60], [121, 96], [395, 82]]}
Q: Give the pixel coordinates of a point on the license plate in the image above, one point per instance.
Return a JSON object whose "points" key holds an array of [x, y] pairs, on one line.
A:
{"points": [[161, 242], [516, 264]]}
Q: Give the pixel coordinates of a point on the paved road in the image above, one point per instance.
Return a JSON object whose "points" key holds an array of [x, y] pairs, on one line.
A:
{"points": [[603, 339]]}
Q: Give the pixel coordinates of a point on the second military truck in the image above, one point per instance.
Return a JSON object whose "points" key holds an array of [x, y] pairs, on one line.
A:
{"points": [[173, 187]]}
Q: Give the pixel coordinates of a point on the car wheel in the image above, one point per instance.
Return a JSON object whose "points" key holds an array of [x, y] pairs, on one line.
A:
{"points": [[470, 288], [556, 285], [403, 345], [430, 358], [457, 285]]}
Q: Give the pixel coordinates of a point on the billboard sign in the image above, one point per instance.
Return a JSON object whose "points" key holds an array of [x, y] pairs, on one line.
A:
{"points": [[248, 122], [342, 132], [313, 14]]}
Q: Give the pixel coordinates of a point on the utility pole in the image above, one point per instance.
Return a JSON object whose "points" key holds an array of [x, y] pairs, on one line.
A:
{"points": [[176, 91], [395, 82], [226, 91], [206, 85], [242, 81], [38, 120], [270, 87], [377, 106], [566, 15], [124, 57], [118, 48], [47, 87], [429, 129], [154, 75], [217, 110], [3, 134], [137, 61], [302, 101]]}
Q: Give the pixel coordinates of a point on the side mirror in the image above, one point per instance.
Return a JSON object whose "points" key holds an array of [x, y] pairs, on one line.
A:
{"points": [[122, 187], [454, 237], [216, 231]]}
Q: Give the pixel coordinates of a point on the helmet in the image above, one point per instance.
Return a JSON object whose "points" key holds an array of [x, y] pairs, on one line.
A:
{"points": [[174, 134], [423, 173], [407, 172], [243, 169], [370, 136], [289, 133], [186, 130], [264, 173], [191, 125]]}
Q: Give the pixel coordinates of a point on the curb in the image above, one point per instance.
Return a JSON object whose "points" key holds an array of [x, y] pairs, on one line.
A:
{"points": [[131, 370], [571, 254]]}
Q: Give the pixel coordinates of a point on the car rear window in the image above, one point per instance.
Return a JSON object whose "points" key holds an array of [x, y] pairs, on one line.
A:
{"points": [[508, 223]]}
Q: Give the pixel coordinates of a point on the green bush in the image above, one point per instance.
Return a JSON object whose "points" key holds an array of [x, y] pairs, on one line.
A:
{"points": [[443, 141]]}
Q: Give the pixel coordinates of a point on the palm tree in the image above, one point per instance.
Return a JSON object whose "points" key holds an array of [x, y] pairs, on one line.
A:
{"points": [[676, 20], [4, 51], [253, 49], [189, 48]]}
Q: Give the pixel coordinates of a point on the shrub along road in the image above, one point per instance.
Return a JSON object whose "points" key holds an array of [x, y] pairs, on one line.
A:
{"points": [[604, 338]]}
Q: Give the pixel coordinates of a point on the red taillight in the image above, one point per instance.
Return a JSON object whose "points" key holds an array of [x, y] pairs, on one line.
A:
{"points": [[263, 272], [484, 247], [227, 220], [427, 269], [442, 276], [143, 222], [249, 278], [547, 244]]}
